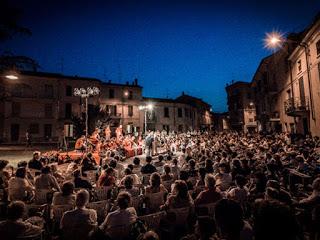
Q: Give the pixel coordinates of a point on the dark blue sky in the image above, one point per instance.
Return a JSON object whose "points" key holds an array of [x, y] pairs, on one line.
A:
{"points": [[170, 46]]}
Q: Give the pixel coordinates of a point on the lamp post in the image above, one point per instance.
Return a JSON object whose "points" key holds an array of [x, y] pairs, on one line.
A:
{"points": [[146, 108], [86, 93]]}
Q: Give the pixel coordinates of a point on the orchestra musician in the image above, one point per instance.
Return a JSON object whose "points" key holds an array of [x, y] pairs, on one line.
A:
{"points": [[80, 143], [107, 133], [119, 133]]}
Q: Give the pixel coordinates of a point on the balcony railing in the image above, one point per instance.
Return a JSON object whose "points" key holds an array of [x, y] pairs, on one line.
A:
{"points": [[296, 106]]}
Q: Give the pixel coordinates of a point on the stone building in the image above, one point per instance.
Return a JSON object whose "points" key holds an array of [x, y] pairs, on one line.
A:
{"points": [[181, 114], [286, 85], [44, 105], [241, 107]]}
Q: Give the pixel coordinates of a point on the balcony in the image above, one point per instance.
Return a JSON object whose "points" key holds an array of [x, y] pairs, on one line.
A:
{"points": [[296, 106]]}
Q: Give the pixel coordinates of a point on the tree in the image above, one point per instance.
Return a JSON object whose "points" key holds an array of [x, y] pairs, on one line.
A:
{"points": [[9, 17]]}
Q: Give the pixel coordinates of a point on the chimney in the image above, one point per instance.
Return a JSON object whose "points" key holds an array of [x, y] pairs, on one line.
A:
{"points": [[182, 93], [136, 81], [127, 83], [109, 81]]}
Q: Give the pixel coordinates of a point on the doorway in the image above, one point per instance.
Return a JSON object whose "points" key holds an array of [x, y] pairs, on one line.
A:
{"points": [[15, 132]]}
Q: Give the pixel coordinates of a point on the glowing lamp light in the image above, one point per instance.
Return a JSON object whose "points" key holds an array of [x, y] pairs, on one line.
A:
{"points": [[150, 106], [273, 40], [11, 77]]}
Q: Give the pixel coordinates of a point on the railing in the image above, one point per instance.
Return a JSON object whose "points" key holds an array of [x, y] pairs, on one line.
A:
{"points": [[296, 106]]}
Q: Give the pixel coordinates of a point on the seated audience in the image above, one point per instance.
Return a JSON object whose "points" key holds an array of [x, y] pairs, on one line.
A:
{"points": [[66, 197], [46, 181], [148, 168], [209, 195], [77, 223], [14, 226], [19, 188]]}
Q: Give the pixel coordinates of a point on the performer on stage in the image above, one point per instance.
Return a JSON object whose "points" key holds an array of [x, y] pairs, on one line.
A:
{"points": [[107, 133], [119, 133], [80, 143]]}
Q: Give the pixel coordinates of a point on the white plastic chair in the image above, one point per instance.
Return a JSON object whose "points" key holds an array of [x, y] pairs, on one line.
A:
{"points": [[181, 214], [155, 200], [210, 208], [153, 220], [102, 192], [100, 207], [41, 196], [119, 232], [59, 210], [145, 179]]}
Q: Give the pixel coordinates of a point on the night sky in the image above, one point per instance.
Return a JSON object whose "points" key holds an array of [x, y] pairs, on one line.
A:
{"points": [[170, 46]]}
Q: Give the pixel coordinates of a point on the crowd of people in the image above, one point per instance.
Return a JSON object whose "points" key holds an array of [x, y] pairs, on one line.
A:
{"points": [[205, 185]]}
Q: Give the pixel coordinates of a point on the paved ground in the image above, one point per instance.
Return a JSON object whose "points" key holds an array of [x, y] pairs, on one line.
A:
{"points": [[15, 154]]}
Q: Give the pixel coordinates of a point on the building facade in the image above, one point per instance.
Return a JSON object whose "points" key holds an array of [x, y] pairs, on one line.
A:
{"points": [[44, 105], [286, 85], [241, 107], [181, 114]]}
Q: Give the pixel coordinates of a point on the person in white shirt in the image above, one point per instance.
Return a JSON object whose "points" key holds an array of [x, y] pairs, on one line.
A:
{"points": [[240, 192], [19, 188], [223, 179]]}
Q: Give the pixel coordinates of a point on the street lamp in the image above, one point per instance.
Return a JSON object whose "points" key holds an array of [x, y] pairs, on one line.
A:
{"points": [[273, 40], [86, 93], [146, 108]]}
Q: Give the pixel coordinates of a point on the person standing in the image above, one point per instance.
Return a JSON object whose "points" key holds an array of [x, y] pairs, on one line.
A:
{"points": [[148, 144], [28, 139]]}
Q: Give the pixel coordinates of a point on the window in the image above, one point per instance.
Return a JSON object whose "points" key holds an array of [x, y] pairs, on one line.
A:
{"points": [[130, 95], [112, 110], [68, 110], [47, 130], [48, 91], [186, 112], [299, 66], [318, 47], [16, 109], [48, 110], [251, 120], [130, 111], [34, 128], [111, 93], [166, 112], [180, 128], [179, 112], [68, 91]]}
